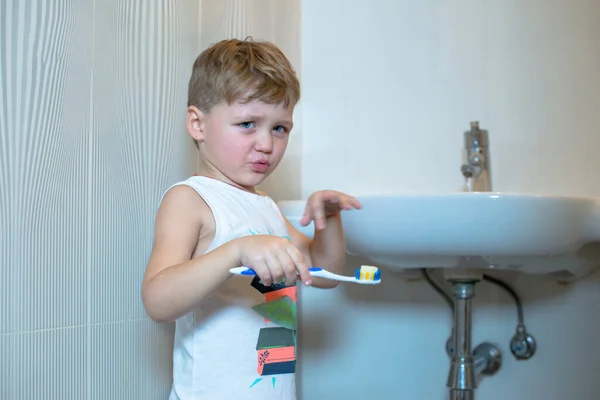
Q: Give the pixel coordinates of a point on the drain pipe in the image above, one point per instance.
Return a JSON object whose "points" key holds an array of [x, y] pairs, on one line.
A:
{"points": [[467, 364], [461, 379]]}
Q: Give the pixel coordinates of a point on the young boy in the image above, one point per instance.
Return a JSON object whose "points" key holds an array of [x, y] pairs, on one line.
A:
{"points": [[241, 98]]}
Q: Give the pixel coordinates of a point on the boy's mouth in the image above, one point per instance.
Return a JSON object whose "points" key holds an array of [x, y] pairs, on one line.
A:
{"points": [[260, 165]]}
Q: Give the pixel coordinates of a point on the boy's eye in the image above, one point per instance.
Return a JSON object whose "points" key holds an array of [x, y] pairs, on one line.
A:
{"points": [[247, 125], [280, 129]]}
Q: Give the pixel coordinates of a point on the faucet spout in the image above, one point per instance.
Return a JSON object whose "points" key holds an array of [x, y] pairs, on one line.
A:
{"points": [[476, 167]]}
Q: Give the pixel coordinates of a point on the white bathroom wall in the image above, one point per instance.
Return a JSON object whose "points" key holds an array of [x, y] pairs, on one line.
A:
{"points": [[92, 105], [388, 88], [401, 80]]}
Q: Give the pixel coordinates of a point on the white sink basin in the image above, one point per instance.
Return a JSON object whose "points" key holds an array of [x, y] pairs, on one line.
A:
{"points": [[532, 234]]}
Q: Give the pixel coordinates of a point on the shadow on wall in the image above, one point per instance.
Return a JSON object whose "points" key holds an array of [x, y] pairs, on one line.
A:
{"points": [[417, 292], [326, 313], [401, 326]]}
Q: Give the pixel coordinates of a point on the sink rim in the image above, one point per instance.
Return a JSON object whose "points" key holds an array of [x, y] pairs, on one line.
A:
{"points": [[587, 209], [492, 195]]}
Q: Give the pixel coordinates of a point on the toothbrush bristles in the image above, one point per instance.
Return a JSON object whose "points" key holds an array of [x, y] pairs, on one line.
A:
{"points": [[368, 273]]}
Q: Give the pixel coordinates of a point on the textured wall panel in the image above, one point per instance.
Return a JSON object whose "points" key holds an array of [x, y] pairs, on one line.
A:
{"points": [[45, 66], [143, 56], [273, 20], [128, 362], [92, 107], [44, 365]]}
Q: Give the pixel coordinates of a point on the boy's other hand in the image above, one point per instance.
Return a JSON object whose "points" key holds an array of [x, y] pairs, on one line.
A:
{"points": [[326, 203], [273, 258]]}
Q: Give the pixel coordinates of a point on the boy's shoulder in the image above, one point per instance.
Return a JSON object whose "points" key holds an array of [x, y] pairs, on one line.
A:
{"points": [[184, 198], [186, 188], [182, 205]]}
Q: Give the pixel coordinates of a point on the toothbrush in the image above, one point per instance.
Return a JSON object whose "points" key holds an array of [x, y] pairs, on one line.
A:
{"points": [[365, 275]]}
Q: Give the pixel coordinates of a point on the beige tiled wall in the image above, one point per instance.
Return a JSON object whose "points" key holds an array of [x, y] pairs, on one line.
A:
{"points": [[92, 100]]}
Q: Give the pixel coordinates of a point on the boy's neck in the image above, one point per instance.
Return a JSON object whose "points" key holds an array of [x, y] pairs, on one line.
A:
{"points": [[249, 189]]}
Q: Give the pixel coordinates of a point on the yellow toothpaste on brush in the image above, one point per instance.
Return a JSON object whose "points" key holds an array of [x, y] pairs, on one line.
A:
{"points": [[368, 273]]}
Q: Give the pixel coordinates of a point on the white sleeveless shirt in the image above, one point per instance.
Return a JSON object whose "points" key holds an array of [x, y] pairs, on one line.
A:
{"points": [[221, 349]]}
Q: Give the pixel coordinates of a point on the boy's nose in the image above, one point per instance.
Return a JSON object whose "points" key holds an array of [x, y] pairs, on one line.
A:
{"points": [[264, 143]]}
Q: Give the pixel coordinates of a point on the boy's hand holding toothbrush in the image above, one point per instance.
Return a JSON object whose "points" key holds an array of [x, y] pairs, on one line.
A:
{"points": [[276, 259], [273, 259], [327, 203]]}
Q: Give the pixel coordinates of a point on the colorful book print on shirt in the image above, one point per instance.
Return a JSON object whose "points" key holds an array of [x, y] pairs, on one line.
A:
{"points": [[276, 346]]}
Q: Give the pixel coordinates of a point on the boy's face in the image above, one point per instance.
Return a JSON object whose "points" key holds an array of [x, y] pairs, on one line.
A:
{"points": [[241, 143]]}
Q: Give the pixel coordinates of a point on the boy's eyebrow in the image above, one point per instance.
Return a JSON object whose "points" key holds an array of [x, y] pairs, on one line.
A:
{"points": [[286, 122], [248, 116], [256, 117]]}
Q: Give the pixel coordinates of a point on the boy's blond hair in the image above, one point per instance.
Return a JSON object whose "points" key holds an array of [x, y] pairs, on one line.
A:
{"points": [[242, 70]]}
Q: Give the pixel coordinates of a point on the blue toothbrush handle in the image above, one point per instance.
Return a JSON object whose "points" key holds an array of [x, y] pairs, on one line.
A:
{"points": [[242, 271], [319, 272]]}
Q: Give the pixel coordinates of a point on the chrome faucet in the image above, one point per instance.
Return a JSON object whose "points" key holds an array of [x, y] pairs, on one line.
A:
{"points": [[476, 168]]}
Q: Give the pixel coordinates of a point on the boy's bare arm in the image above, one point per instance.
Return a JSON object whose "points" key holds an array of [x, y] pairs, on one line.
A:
{"points": [[326, 250], [174, 283]]}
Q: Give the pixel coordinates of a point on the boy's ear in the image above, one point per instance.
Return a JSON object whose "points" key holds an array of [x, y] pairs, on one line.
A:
{"points": [[195, 121]]}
